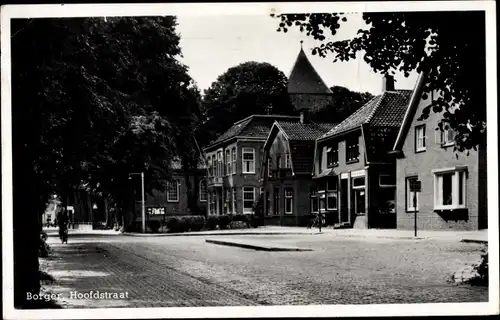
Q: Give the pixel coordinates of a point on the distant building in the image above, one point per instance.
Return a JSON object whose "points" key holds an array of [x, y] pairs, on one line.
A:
{"points": [[306, 88], [355, 176], [453, 186], [234, 162]]}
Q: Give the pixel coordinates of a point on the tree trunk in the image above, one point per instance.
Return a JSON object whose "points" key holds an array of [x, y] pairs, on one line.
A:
{"points": [[89, 205], [106, 211], [26, 229]]}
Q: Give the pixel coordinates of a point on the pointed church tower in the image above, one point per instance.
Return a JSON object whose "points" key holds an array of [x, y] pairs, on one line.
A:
{"points": [[306, 88]]}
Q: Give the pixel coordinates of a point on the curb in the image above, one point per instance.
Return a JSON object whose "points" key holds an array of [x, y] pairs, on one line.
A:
{"points": [[474, 241], [214, 234], [254, 247]]}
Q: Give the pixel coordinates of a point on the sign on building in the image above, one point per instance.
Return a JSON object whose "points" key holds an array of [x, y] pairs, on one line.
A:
{"points": [[156, 211]]}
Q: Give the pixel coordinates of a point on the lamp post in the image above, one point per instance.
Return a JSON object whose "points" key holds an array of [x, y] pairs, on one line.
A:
{"points": [[143, 207]]}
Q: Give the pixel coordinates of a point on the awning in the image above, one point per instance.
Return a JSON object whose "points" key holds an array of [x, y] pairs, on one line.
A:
{"points": [[326, 173]]}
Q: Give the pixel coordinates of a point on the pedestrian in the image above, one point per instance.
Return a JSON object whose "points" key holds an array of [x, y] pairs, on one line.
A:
{"points": [[63, 221]]}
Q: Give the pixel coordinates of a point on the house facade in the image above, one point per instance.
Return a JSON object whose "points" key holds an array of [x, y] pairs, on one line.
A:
{"points": [[174, 201], [453, 185], [355, 176], [234, 164], [287, 174]]}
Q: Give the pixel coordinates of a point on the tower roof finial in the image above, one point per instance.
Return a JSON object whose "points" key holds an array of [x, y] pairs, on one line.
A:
{"points": [[301, 42]]}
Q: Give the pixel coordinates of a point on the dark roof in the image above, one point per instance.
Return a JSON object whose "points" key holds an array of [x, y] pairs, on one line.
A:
{"points": [[304, 78], [304, 131], [302, 139], [385, 110], [257, 126]]}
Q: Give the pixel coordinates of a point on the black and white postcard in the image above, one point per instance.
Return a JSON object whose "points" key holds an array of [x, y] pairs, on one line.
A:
{"points": [[228, 160]]}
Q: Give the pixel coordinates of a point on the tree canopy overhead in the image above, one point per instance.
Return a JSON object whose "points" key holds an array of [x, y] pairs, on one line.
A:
{"points": [[246, 89], [92, 101], [449, 46]]}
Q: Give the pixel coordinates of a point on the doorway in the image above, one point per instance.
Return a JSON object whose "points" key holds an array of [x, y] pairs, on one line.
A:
{"points": [[344, 192]]}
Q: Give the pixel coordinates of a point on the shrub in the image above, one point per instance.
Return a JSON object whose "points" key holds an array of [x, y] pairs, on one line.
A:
{"points": [[212, 222], [482, 271], [185, 223], [153, 225], [224, 221], [197, 223]]}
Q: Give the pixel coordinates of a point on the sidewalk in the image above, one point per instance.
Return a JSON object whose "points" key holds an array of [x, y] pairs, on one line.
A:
{"points": [[480, 236]]}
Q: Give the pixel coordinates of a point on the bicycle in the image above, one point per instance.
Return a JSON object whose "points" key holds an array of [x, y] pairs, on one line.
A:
{"points": [[317, 222]]}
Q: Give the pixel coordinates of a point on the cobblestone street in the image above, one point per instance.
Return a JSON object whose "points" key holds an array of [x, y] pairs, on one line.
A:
{"points": [[187, 271]]}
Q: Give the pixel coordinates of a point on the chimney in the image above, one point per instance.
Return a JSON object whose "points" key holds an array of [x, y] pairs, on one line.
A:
{"points": [[304, 116], [388, 83]]}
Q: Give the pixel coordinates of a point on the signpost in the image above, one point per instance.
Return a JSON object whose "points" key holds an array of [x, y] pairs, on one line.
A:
{"points": [[415, 186]]}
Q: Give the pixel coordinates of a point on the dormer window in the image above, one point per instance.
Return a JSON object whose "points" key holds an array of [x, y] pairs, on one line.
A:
{"points": [[332, 155], [352, 149]]}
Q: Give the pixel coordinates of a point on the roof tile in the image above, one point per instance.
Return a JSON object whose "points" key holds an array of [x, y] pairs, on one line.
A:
{"points": [[387, 109]]}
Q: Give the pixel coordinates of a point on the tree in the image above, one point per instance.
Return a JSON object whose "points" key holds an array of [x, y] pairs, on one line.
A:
{"points": [[422, 41], [92, 100], [345, 102], [246, 89]]}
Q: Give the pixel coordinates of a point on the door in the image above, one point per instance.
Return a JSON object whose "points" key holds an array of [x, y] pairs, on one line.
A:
{"points": [[359, 201], [344, 192]]}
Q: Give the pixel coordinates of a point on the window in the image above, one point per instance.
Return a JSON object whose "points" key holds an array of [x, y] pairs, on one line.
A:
{"points": [[331, 201], [173, 191], [248, 199], [331, 184], [450, 189], [203, 190], [220, 164], [288, 200], [228, 162], [352, 149], [288, 161], [234, 200], [278, 162], [332, 155], [209, 162], [227, 201], [322, 202], [420, 138], [387, 180], [358, 182], [214, 165], [210, 206], [234, 159], [448, 137], [314, 200], [248, 160], [276, 201], [410, 196]]}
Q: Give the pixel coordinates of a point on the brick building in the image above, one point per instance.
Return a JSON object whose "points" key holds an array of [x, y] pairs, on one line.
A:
{"points": [[453, 195], [355, 176], [287, 174], [234, 162]]}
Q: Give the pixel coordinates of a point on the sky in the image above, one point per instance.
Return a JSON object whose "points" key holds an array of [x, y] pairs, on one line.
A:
{"points": [[212, 44]]}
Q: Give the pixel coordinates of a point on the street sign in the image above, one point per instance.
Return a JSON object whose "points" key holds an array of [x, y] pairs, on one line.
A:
{"points": [[415, 186]]}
